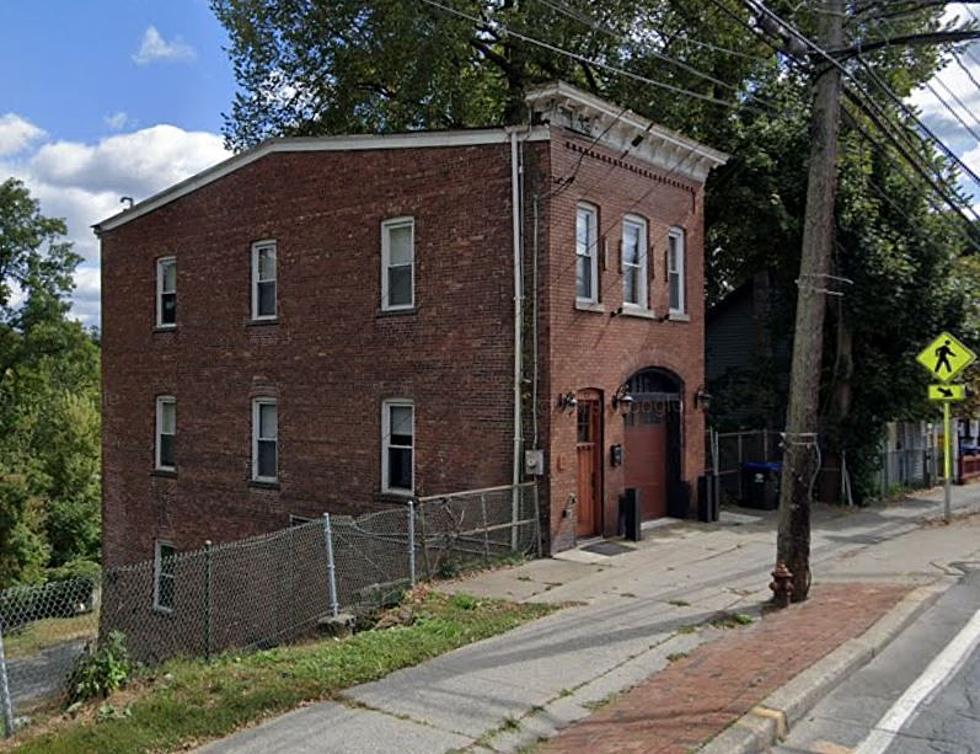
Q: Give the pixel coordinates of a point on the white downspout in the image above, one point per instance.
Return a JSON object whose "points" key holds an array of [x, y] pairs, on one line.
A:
{"points": [[518, 332]]}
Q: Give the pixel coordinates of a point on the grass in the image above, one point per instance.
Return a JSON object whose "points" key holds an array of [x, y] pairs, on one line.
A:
{"points": [[189, 702], [48, 633]]}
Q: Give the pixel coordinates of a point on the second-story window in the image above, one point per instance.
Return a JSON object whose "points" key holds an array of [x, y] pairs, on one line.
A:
{"points": [[675, 271], [635, 263], [398, 264], [265, 440], [167, 292], [166, 432], [586, 255], [264, 280]]}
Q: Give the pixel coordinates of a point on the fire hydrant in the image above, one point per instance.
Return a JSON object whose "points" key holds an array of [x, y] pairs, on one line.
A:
{"points": [[782, 585]]}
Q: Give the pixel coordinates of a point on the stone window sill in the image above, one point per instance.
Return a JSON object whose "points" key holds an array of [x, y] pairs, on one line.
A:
{"points": [[629, 311], [679, 317], [165, 328], [587, 306], [261, 485], [262, 322], [164, 473], [381, 313]]}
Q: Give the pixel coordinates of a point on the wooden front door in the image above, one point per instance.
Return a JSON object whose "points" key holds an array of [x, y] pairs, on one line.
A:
{"points": [[589, 456], [645, 449]]}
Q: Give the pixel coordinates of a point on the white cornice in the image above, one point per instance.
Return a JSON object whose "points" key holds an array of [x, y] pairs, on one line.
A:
{"points": [[418, 140], [560, 104]]}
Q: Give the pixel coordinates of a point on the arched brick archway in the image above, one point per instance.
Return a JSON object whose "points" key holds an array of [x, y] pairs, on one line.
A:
{"points": [[653, 439]]}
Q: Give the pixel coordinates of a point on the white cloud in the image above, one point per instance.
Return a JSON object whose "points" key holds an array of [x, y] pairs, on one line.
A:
{"points": [[83, 183], [154, 48], [16, 133], [117, 121]]}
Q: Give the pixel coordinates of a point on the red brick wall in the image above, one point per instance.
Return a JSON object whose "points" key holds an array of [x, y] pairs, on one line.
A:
{"points": [[594, 350], [331, 359]]}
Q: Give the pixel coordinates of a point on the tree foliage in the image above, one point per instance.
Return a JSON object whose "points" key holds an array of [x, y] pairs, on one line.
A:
{"points": [[330, 66], [49, 400]]}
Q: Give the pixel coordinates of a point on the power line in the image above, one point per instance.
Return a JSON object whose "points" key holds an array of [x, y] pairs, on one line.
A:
{"points": [[585, 59], [760, 9]]}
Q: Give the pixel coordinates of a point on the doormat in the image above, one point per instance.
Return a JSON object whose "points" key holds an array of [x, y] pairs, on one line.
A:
{"points": [[609, 548]]}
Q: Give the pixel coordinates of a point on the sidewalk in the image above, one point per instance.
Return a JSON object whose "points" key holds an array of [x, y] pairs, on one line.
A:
{"points": [[633, 613], [698, 696]]}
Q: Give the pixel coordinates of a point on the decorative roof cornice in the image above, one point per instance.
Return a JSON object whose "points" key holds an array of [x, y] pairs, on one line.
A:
{"points": [[560, 104]]}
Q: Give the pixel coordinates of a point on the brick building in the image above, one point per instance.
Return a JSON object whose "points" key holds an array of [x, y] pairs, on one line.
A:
{"points": [[330, 324]]}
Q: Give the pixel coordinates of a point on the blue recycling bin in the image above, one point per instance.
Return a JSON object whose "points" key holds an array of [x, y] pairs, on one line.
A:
{"points": [[760, 484]]}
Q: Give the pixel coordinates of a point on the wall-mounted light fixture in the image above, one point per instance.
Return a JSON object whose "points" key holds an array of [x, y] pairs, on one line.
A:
{"points": [[622, 401], [702, 399], [567, 401]]}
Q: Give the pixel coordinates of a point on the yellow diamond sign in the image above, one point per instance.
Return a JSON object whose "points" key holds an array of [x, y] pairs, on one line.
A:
{"points": [[946, 357]]}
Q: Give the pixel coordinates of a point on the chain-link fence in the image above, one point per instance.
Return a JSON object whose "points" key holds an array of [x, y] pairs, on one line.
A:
{"points": [[253, 593]]}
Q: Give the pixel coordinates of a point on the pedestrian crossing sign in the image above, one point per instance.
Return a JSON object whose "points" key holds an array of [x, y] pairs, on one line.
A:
{"points": [[946, 357], [947, 392]]}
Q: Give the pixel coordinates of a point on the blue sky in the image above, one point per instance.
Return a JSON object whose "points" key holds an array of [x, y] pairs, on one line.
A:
{"points": [[101, 99], [75, 59]]}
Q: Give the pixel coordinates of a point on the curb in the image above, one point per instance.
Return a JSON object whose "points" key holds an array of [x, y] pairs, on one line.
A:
{"points": [[769, 721]]}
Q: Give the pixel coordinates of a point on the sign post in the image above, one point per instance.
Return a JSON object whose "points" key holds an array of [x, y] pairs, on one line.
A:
{"points": [[945, 358]]}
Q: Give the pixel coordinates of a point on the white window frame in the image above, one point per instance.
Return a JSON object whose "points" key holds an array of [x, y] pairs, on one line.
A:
{"points": [[678, 233], [161, 263], [386, 407], [158, 575], [258, 247], [386, 227], [256, 404], [591, 251], [163, 400], [642, 267]]}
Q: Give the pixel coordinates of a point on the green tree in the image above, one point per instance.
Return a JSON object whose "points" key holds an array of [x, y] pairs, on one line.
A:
{"points": [[49, 399]]}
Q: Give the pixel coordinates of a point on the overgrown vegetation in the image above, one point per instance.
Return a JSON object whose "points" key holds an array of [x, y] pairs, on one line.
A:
{"points": [[188, 702], [49, 402], [101, 670]]}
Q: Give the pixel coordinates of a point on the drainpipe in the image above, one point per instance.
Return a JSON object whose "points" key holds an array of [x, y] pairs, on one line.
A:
{"points": [[518, 331]]}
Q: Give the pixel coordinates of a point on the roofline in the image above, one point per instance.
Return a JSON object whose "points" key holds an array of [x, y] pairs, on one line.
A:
{"points": [[715, 157], [343, 143]]}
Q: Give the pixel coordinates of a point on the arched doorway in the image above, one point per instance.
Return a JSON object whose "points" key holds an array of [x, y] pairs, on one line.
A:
{"points": [[652, 440]]}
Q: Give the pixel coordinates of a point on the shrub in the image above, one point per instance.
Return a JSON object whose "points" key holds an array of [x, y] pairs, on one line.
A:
{"points": [[100, 672]]}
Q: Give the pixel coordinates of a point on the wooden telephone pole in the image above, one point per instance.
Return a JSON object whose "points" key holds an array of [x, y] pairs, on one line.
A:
{"points": [[800, 455]]}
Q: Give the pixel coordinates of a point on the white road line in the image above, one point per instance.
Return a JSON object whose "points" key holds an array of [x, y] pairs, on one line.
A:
{"points": [[943, 667]]}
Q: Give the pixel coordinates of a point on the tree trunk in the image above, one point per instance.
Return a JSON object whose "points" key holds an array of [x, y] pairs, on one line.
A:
{"points": [[799, 457]]}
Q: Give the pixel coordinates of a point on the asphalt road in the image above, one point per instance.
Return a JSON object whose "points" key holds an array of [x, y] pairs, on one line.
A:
{"points": [[920, 696]]}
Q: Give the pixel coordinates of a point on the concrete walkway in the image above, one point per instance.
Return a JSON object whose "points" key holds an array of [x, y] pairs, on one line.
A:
{"points": [[631, 613]]}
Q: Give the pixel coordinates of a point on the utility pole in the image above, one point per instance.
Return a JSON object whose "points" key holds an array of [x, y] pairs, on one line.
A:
{"points": [[800, 453]]}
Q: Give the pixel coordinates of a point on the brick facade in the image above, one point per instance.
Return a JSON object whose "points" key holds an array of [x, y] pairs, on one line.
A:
{"points": [[332, 356]]}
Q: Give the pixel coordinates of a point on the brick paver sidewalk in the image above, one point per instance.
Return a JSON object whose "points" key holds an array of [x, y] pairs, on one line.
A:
{"points": [[697, 697]]}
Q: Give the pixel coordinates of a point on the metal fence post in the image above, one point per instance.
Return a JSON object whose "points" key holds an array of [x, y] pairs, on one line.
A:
{"points": [[740, 490], [411, 541], [5, 701], [486, 534], [208, 592], [331, 571]]}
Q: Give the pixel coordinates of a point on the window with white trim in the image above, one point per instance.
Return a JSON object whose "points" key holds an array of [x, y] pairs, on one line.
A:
{"points": [[398, 264], [166, 432], [265, 440], [264, 283], [164, 575], [167, 292], [675, 271], [398, 447], [586, 254], [634, 260]]}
